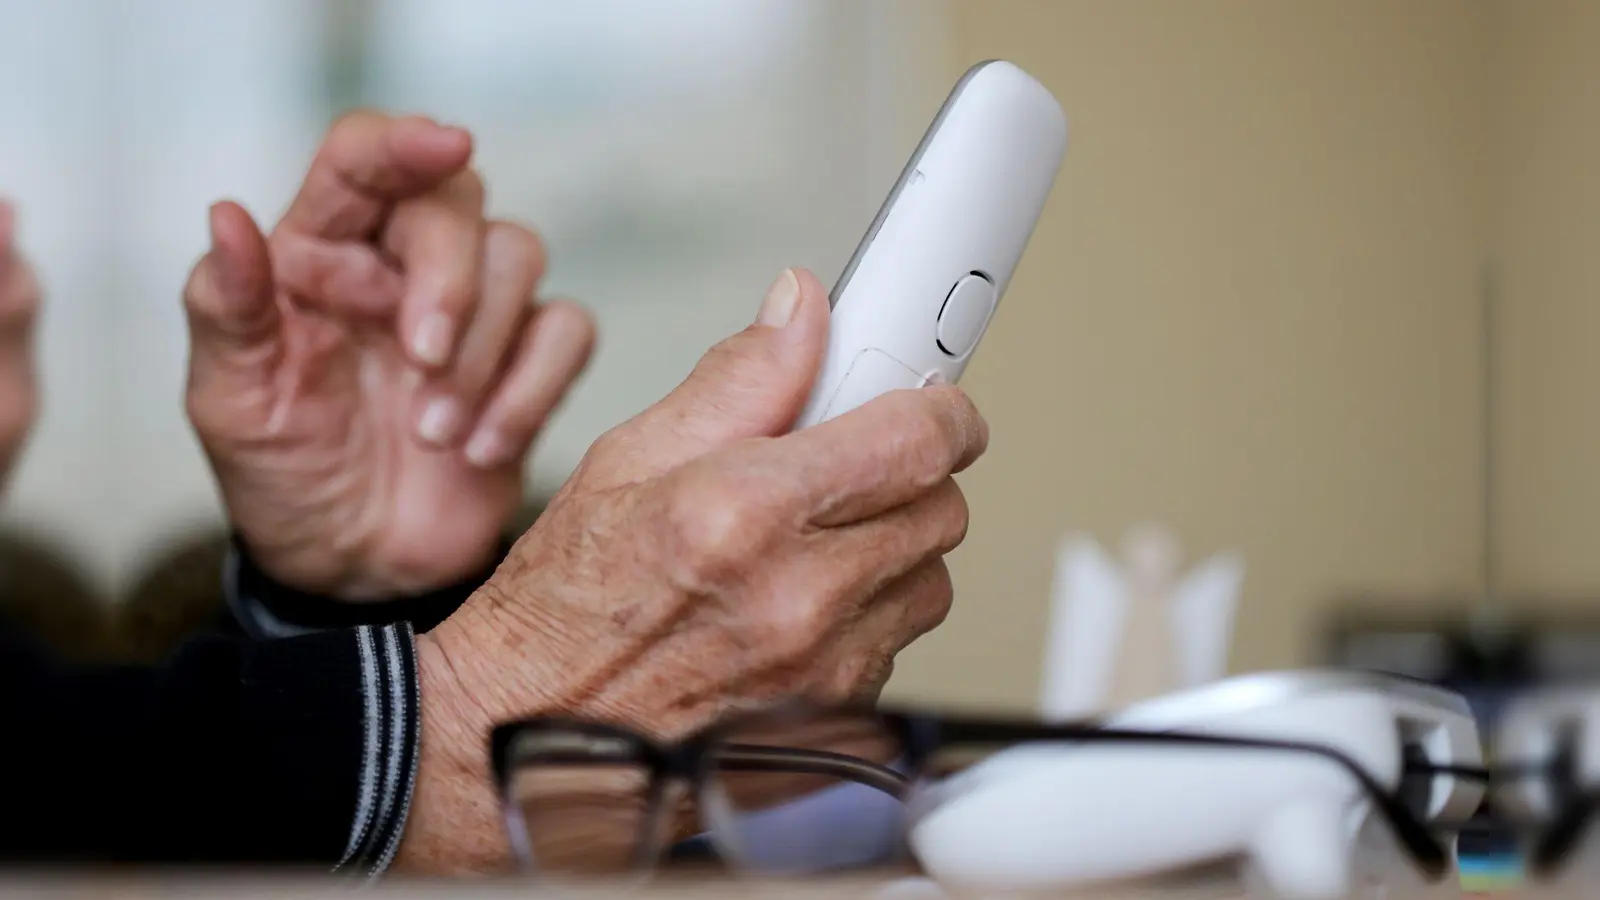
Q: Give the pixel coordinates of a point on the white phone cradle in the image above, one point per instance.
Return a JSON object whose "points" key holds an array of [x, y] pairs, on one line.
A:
{"points": [[1533, 732], [917, 295], [1055, 816]]}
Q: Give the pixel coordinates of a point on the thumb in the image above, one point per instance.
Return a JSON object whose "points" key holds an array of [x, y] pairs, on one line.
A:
{"points": [[229, 298], [753, 384]]}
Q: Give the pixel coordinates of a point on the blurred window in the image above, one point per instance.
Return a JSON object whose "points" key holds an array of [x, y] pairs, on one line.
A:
{"points": [[675, 154]]}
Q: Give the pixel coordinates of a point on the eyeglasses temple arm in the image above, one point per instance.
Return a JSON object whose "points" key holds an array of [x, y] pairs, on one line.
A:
{"points": [[796, 760]]}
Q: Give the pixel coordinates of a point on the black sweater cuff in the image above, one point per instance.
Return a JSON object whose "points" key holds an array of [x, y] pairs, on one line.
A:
{"points": [[299, 752], [265, 608], [324, 711]]}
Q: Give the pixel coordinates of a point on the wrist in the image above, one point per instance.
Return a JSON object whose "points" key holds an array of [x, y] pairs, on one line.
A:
{"points": [[455, 824], [258, 594], [358, 576], [507, 660], [497, 659]]}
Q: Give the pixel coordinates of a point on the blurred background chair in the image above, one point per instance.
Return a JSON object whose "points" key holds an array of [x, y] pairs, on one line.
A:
{"points": [[45, 595], [178, 596]]}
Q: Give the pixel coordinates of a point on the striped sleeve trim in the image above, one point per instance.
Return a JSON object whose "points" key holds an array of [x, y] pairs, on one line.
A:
{"points": [[266, 609], [392, 733], [252, 615]]}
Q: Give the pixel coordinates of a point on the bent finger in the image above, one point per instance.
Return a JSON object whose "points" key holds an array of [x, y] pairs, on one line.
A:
{"points": [[885, 453], [368, 162], [906, 609], [554, 350], [437, 239], [513, 262], [228, 299], [871, 554], [341, 278]]}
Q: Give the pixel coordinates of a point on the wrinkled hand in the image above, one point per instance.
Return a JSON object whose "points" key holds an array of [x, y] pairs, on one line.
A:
{"points": [[367, 379], [19, 307], [699, 561]]}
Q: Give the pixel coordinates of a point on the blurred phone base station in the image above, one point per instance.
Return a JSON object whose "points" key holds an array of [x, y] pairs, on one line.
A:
{"points": [[1489, 657]]}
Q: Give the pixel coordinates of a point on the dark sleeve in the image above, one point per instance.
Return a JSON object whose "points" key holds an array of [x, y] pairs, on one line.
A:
{"points": [[264, 608], [299, 751]]}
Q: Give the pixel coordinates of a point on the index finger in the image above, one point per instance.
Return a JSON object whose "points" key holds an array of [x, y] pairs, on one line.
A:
{"points": [[886, 453], [367, 162]]}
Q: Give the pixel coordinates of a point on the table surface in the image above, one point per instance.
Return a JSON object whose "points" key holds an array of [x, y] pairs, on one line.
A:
{"points": [[234, 888]]}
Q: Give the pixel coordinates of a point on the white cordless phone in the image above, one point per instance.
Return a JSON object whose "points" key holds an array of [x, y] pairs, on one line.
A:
{"points": [[917, 296]]}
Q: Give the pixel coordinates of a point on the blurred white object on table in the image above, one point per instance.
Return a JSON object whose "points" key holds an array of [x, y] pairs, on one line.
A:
{"points": [[1128, 630]]}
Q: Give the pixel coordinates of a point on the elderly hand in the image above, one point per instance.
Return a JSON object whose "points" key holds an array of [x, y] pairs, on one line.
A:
{"points": [[368, 378], [19, 306], [699, 561]]}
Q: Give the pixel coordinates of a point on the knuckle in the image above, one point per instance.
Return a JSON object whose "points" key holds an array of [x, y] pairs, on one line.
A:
{"points": [[745, 353], [208, 408], [467, 190], [608, 442], [720, 531], [200, 288], [719, 358], [979, 438], [961, 426], [351, 125], [922, 599], [198, 413], [608, 451], [793, 628], [858, 674], [514, 249], [954, 517], [933, 598], [457, 297], [814, 616], [923, 444], [473, 183]]}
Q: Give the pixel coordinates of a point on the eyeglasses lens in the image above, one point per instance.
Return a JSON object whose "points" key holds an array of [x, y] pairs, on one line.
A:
{"points": [[602, 818], [808, 794]]}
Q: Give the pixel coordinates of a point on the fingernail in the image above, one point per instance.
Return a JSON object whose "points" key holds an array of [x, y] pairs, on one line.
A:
{"points": [[778, 308], [486, 449], [447, 137], [431, 344], [438, 421]]}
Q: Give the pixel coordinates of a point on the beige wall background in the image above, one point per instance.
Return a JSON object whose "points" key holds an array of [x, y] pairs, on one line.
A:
{"points": [[1253, 311], [1546, 251]]}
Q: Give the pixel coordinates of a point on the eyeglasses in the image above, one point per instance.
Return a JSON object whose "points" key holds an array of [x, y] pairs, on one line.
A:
{"points": [[1548, 801], [816, 790]]}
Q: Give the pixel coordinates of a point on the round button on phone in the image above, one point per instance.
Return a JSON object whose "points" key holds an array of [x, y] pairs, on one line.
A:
{"points": [[965, 314]]}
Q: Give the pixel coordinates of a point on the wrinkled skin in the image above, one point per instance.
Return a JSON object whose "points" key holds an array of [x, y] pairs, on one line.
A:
{"points": [[702, 561], [367, 378]]}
